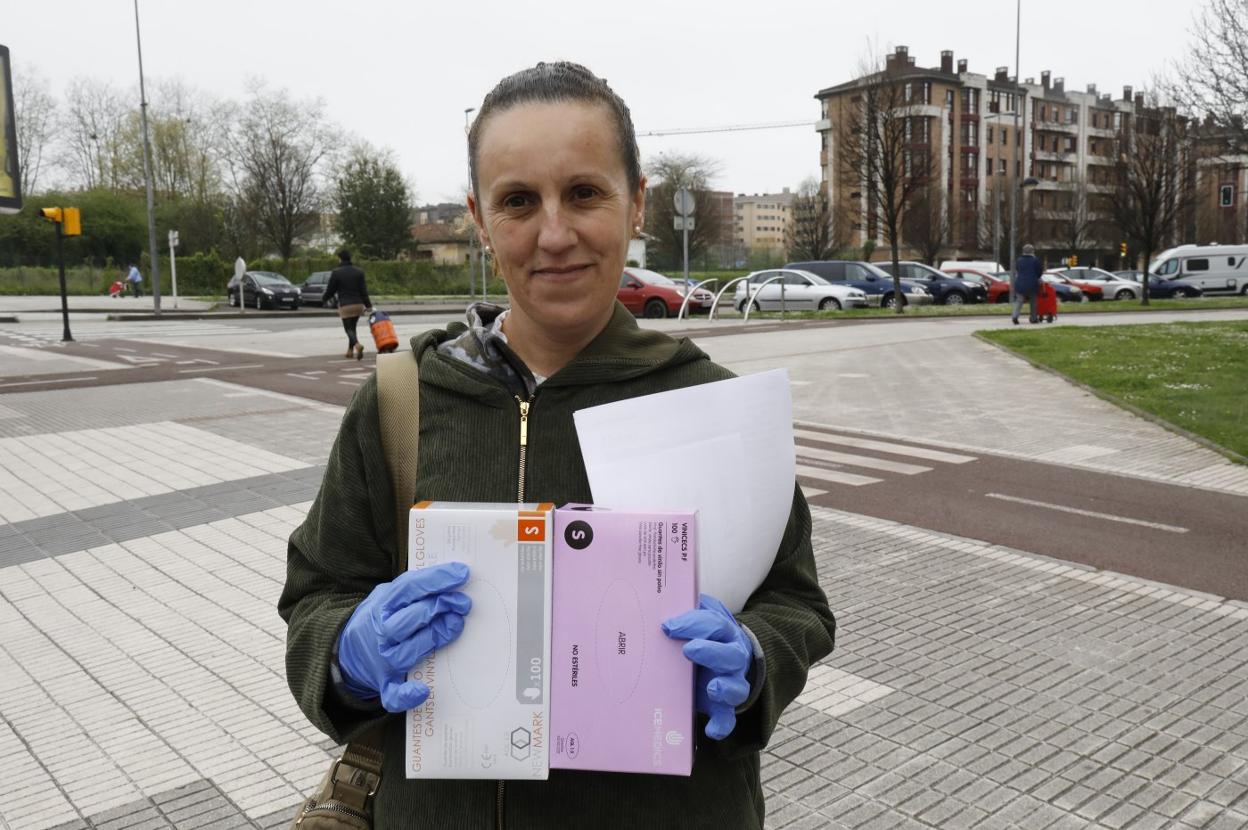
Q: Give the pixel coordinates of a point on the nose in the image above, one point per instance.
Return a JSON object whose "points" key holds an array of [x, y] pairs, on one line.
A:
{"points": [[556, 233]]}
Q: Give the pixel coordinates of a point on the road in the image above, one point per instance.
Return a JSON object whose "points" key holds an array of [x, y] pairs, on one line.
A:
{"points": [[1171, 533]]}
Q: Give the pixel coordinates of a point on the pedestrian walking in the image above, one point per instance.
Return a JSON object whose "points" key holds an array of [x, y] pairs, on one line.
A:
{"points": [[557, 192], [1030, 272], [347, 283], [136, 280]]}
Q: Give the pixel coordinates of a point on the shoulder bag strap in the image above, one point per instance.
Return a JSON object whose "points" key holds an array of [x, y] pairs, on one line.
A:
{"points": [[398, 409]]}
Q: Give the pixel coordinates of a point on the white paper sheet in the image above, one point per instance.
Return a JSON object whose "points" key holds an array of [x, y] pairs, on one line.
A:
{"points": [[724, 449]]}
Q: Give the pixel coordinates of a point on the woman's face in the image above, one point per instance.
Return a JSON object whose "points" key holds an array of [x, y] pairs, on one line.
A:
{"points": [[555, 206]]}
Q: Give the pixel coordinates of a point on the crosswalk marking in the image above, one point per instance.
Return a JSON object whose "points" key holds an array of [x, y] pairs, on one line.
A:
{"points": [[862, 461], [835, 476], [884, 446]]}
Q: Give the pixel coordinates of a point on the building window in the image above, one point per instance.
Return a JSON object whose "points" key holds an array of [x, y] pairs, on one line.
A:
{"points": [[1070, 144], [927, 92], [1001, 167], [1226, 195], [989, 134], [1004, 138], [949, 98]]}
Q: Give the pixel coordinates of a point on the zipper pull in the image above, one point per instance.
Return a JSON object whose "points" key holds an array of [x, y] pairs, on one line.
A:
{"points": [[524, 422]]}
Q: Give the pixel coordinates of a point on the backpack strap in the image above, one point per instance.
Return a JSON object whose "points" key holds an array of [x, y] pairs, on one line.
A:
{"points": [[398, 409], [354, 778]]}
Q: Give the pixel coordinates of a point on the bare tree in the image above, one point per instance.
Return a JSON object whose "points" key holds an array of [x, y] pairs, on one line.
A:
{"points": [[1213, 78], [1155, 187], [668, 173], [926, 224], [813, 232], [276, 153], [879, 149], [36, 125], [92, 123], [1074, 221]]}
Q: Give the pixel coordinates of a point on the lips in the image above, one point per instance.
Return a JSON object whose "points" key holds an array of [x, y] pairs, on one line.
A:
{"points": [[563, 272]]}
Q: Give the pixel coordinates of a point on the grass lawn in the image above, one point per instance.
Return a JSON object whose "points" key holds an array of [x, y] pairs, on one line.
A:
{"points": [[1193, 375]]}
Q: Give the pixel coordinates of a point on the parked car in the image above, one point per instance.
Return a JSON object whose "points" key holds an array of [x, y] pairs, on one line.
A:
{"points": [[1214, 269], [801, 290], [651, 294], [945, 289], [877, 285], [975, 265], [996, 289], [1073, 292], [263, 289], [1112, 287], [1164, 289], [313, 288]]}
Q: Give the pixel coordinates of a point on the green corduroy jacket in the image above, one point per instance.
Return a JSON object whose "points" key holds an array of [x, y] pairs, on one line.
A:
{"points": [[469, 451]]}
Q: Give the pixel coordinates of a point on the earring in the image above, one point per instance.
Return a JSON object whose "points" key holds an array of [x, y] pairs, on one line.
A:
{"points": [[636, 230], [488, 249]]}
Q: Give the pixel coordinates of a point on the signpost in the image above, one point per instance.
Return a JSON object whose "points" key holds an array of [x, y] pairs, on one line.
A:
{"points": [[173, 264], [240, 268], [683, 202]]}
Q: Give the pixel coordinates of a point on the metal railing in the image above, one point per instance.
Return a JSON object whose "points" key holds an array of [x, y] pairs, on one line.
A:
{"points": [[750, 296], [689, 295]]}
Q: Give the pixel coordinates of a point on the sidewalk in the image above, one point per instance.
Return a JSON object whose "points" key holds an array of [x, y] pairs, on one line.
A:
{"points": [[141, 657]]}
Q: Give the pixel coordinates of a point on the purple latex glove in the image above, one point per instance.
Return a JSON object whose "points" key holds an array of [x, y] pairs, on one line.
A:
{"points": [[395, 627], [723, 654]]}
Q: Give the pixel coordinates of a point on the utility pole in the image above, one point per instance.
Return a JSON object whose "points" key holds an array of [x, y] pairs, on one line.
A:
{"points": [[147, 174], [1020, 103]]}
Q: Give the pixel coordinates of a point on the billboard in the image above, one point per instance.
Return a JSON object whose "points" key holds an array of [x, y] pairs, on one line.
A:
{"points": [[10, 178]]}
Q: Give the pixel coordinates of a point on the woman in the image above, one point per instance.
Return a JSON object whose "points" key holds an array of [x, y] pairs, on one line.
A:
{"points": [[557, 193], [347, 282]]}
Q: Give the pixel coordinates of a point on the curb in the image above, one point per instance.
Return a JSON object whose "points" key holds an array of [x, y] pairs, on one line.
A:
{"points": [[1229, 454], [270, 315]]}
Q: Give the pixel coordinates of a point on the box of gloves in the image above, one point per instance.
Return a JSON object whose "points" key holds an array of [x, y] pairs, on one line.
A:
{"points": [[487, 714], [621, 691]]}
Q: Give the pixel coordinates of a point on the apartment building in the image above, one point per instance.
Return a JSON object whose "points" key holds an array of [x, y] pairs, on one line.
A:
{"points": [[761, 221], [983, 134]]}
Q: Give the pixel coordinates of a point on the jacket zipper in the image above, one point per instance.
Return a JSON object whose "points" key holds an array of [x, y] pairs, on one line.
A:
{"points": [[330, 807], [524, 451]]}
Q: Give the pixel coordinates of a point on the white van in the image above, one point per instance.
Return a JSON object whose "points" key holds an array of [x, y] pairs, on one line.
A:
{"points": [[1218, 269], [974, 265]]}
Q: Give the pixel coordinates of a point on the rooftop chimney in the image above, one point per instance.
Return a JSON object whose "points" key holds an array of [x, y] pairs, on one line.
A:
{"points": [[961, 66], [909, 61], [1002, 73], [1059, 84], [1126, 94], [946, 61], [1092, 90], [1139, 99], [1044, 80]]}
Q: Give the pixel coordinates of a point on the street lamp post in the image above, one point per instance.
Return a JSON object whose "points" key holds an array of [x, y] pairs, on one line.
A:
{"points": [[1020, 102], [147, 172]]}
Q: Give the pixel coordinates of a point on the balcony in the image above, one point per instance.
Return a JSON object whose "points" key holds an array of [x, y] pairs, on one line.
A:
{"points": [[1060, 156], [1056, 127]]}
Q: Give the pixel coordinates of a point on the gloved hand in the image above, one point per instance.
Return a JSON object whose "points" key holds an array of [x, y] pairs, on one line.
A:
{"points": [[723, 654], [395, 627]]}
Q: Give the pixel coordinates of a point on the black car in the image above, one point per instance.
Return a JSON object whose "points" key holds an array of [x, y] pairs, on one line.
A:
{"points": [[877, 285], [313, 288], [1164, 289], [264, 289], [944, 288]]}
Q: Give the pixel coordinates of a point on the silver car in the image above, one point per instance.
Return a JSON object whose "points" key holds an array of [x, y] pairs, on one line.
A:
{"points": [[1112, 286], [796, 289]]}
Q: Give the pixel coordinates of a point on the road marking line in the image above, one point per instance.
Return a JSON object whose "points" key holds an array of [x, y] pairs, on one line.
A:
{"points": [[221, 368], [811, 492], [162, 354], [1092, 513], [883, 446], [820, 474], [56, 380], [861, 461], [349, 382]]}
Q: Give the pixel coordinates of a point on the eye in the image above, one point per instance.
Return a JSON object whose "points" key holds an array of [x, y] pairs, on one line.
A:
{"points": [[583, 192], [516, 201]]}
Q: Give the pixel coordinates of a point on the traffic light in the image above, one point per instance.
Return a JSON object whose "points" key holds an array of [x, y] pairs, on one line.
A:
{"points": [[1074, 260], [70, 219], [1122, 249], [72, 226]]}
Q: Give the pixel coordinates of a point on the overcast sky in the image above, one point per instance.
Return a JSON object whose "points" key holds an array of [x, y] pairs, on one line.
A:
{"points": [[400, 74]]}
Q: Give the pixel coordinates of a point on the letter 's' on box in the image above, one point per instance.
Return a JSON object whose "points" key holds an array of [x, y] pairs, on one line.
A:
{"points": [[621, 691], [487, 715]]}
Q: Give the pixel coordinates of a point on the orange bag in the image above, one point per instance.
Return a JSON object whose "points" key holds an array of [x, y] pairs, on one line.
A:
{"points": [[383, 331]]}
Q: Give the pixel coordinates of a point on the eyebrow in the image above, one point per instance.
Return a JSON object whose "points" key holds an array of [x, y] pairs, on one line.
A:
{"points": [[520, 184]]}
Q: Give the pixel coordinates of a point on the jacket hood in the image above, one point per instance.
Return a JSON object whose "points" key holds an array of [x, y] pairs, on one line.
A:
{"points": [[622, 350]]}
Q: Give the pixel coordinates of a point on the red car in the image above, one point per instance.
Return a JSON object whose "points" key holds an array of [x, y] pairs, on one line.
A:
{"points": [[1090, 289], [998, 290], [651, 294]]}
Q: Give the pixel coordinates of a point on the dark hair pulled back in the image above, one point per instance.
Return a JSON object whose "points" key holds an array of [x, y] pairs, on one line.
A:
{"points": [[554, 83]]}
